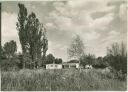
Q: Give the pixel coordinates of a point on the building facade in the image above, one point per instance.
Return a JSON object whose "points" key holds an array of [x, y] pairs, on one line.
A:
{"points": [[53, 66]]}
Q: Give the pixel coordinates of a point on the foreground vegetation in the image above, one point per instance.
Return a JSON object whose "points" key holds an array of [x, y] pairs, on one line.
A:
{"points": [[59, 80]]}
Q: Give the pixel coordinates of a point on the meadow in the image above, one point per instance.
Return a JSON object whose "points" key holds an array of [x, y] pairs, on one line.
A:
{"points": [[59, 80]]}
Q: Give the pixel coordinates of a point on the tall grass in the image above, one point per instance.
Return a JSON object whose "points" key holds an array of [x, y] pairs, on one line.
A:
{"points": [[58, 80]]}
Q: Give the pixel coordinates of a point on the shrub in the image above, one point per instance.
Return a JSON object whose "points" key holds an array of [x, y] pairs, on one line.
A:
{"points": [[10, 64]]}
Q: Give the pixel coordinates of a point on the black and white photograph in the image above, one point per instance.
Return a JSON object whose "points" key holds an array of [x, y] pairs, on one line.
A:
{"points": [[63, 45]]}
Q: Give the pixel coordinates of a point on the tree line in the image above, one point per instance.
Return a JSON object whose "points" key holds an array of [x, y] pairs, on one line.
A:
{"points": [[10, 59], [115, 58]]}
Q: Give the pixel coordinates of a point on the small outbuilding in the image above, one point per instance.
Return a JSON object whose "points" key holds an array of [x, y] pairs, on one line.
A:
{"points": [[71, 64]]}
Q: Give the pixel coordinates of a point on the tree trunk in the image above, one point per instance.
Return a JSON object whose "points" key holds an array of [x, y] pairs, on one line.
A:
{"points": [[39, 60], [43, 58], [24, 54]]}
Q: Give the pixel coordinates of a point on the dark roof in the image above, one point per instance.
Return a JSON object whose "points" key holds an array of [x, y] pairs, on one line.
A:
{"points": [[73, 61], [53, 63]]}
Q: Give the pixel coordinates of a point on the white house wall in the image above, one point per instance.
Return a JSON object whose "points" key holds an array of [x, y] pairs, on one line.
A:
{"points": [[77, 65], [53, 66]]}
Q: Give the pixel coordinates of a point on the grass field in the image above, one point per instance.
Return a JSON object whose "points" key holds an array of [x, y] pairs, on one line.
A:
{"points": [[59, 80]]}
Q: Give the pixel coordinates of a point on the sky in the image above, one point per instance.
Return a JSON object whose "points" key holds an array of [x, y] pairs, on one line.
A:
{"points": [[98, 22]]}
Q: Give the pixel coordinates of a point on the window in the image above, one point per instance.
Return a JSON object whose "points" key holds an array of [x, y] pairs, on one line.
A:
{"points": [[51, 65], [55, 65]]}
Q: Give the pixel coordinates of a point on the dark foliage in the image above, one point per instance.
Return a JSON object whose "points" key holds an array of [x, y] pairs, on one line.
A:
{"points": [[32, 35], [87, 60], [51, 59], [58, 61], [99, 66], [118, 62], [117, 57], [20, 57], [2, 53], [100, 62], [10, 64], [9, 49]]}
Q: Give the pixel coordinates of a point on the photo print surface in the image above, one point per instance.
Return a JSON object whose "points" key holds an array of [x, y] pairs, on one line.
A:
{"points": [[71, 45]]}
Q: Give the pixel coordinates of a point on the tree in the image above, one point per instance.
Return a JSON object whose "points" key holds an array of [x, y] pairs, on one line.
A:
{"points": [[37, 40], [123, 50], [20, 57], [76, 49], [45, 44], [58, 60], [117, 57], [87, 59], [50, 59], [100, 62], [32, 36], [113, 50], [3, 56], [10, 48], [9, 56], [21, 27]]}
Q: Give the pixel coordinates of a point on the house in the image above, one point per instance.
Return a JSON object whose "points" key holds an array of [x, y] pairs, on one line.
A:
{"points": [[53, 66], [65, 65], [71, 64]]}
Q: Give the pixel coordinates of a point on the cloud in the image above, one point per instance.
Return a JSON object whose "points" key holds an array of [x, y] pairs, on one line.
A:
{"points": [[57, 49], [98, 22], [112, 37], [75, 18], [102, 22], [91, 36], [9, 31], [81, 23], [91, 5]]}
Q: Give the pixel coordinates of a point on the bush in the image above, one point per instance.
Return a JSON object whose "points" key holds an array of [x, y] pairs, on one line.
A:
{"points": [[119, 75], [10, 64], [119, 63], [117, 57]]}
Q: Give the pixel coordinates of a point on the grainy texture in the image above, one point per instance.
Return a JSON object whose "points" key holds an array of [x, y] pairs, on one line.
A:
{"points": [[59, 80]]}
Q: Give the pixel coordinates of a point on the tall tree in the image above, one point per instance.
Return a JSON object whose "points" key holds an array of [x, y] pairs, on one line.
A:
{"points": [[76, 49], [117, 49], [123, 50], [32, 36], [10, 48], [21, 27], [37, 40], [117, 57], [44, 43]]}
